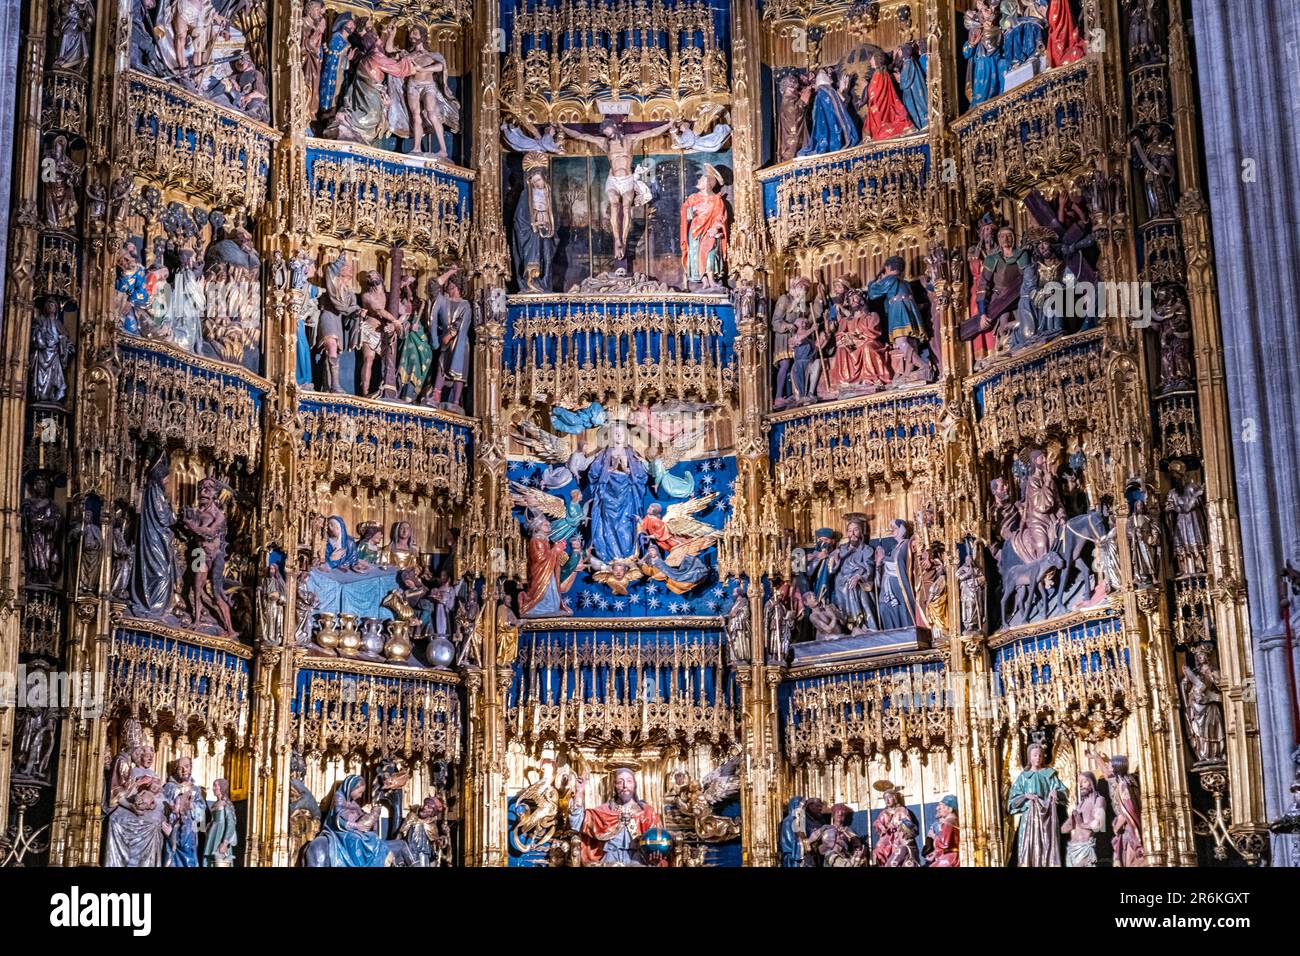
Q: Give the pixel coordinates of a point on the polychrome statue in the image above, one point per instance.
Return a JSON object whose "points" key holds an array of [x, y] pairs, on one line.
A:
{"points": [[1036, 794]]}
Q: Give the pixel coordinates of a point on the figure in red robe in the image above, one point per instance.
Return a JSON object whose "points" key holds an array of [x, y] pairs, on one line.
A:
{"points": [[861, 358], [654, 526], [944, 835], [1064, 40], [704, 231], [549, 579], [611, 833], [886, 115]]}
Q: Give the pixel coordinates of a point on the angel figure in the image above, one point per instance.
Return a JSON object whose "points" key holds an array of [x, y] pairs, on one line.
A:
{"points": [[705, 134], [566, 520], [615, 575], [562, 466], [674, 540], [534, 143], [696, 801]]}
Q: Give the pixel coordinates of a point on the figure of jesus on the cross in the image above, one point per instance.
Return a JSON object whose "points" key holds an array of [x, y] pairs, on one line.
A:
{"points": [[621, 183]]}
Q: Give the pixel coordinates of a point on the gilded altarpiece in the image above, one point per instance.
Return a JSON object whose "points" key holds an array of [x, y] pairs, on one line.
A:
{"points": [[616, 432]]}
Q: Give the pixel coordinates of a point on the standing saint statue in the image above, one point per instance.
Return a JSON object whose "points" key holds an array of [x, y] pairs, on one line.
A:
{"points": [[1185, 512], [1035, 796], [621, 185], [533, 239], [206, 525], [1126, 807], [1203, 702], [704, 231], [611, 833]]}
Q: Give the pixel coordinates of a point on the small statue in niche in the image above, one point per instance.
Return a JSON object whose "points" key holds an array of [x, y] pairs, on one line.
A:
{"points": [[622, 188], [1144, 541], [426, 101], [270, 605], [933, 587], [737, 624], [533, 239], [1000, 281], [1175, 332], [1086, 820], [1153, 155], [206, 524], [704, 232], [1203, 703], [34, 733], [121, 552], [1126, 809], [1035, 795], [792, 116], [833, 126], [469, 639], [60, 178], [453, 316], [1145, 26], [222, 837], [778, 626], [72, 27], [1185, 514], [87, 541], [42, 525], [971, 583], [51, 352]]}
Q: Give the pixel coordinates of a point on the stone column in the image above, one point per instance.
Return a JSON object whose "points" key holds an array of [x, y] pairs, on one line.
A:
{"points": [[1250, 109]]}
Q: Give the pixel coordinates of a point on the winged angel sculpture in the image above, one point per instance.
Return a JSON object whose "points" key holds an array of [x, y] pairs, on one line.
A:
{"points": [[689, 804], [594, 508]]}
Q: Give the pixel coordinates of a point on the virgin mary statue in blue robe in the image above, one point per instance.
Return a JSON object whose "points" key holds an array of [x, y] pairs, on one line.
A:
{"points": [[833, 126], [617, 481], [350, 844]]}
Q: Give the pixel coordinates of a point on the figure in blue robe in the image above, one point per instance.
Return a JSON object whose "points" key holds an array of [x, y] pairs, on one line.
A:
{"points": [[302, 372], [912, 87], [821, 575], [901, 312], [681, 579], [1023, 38], [617, 482], [575, 422], [833, 126], [334, 59], [340, 549], [985, 70], [351, 840]]}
